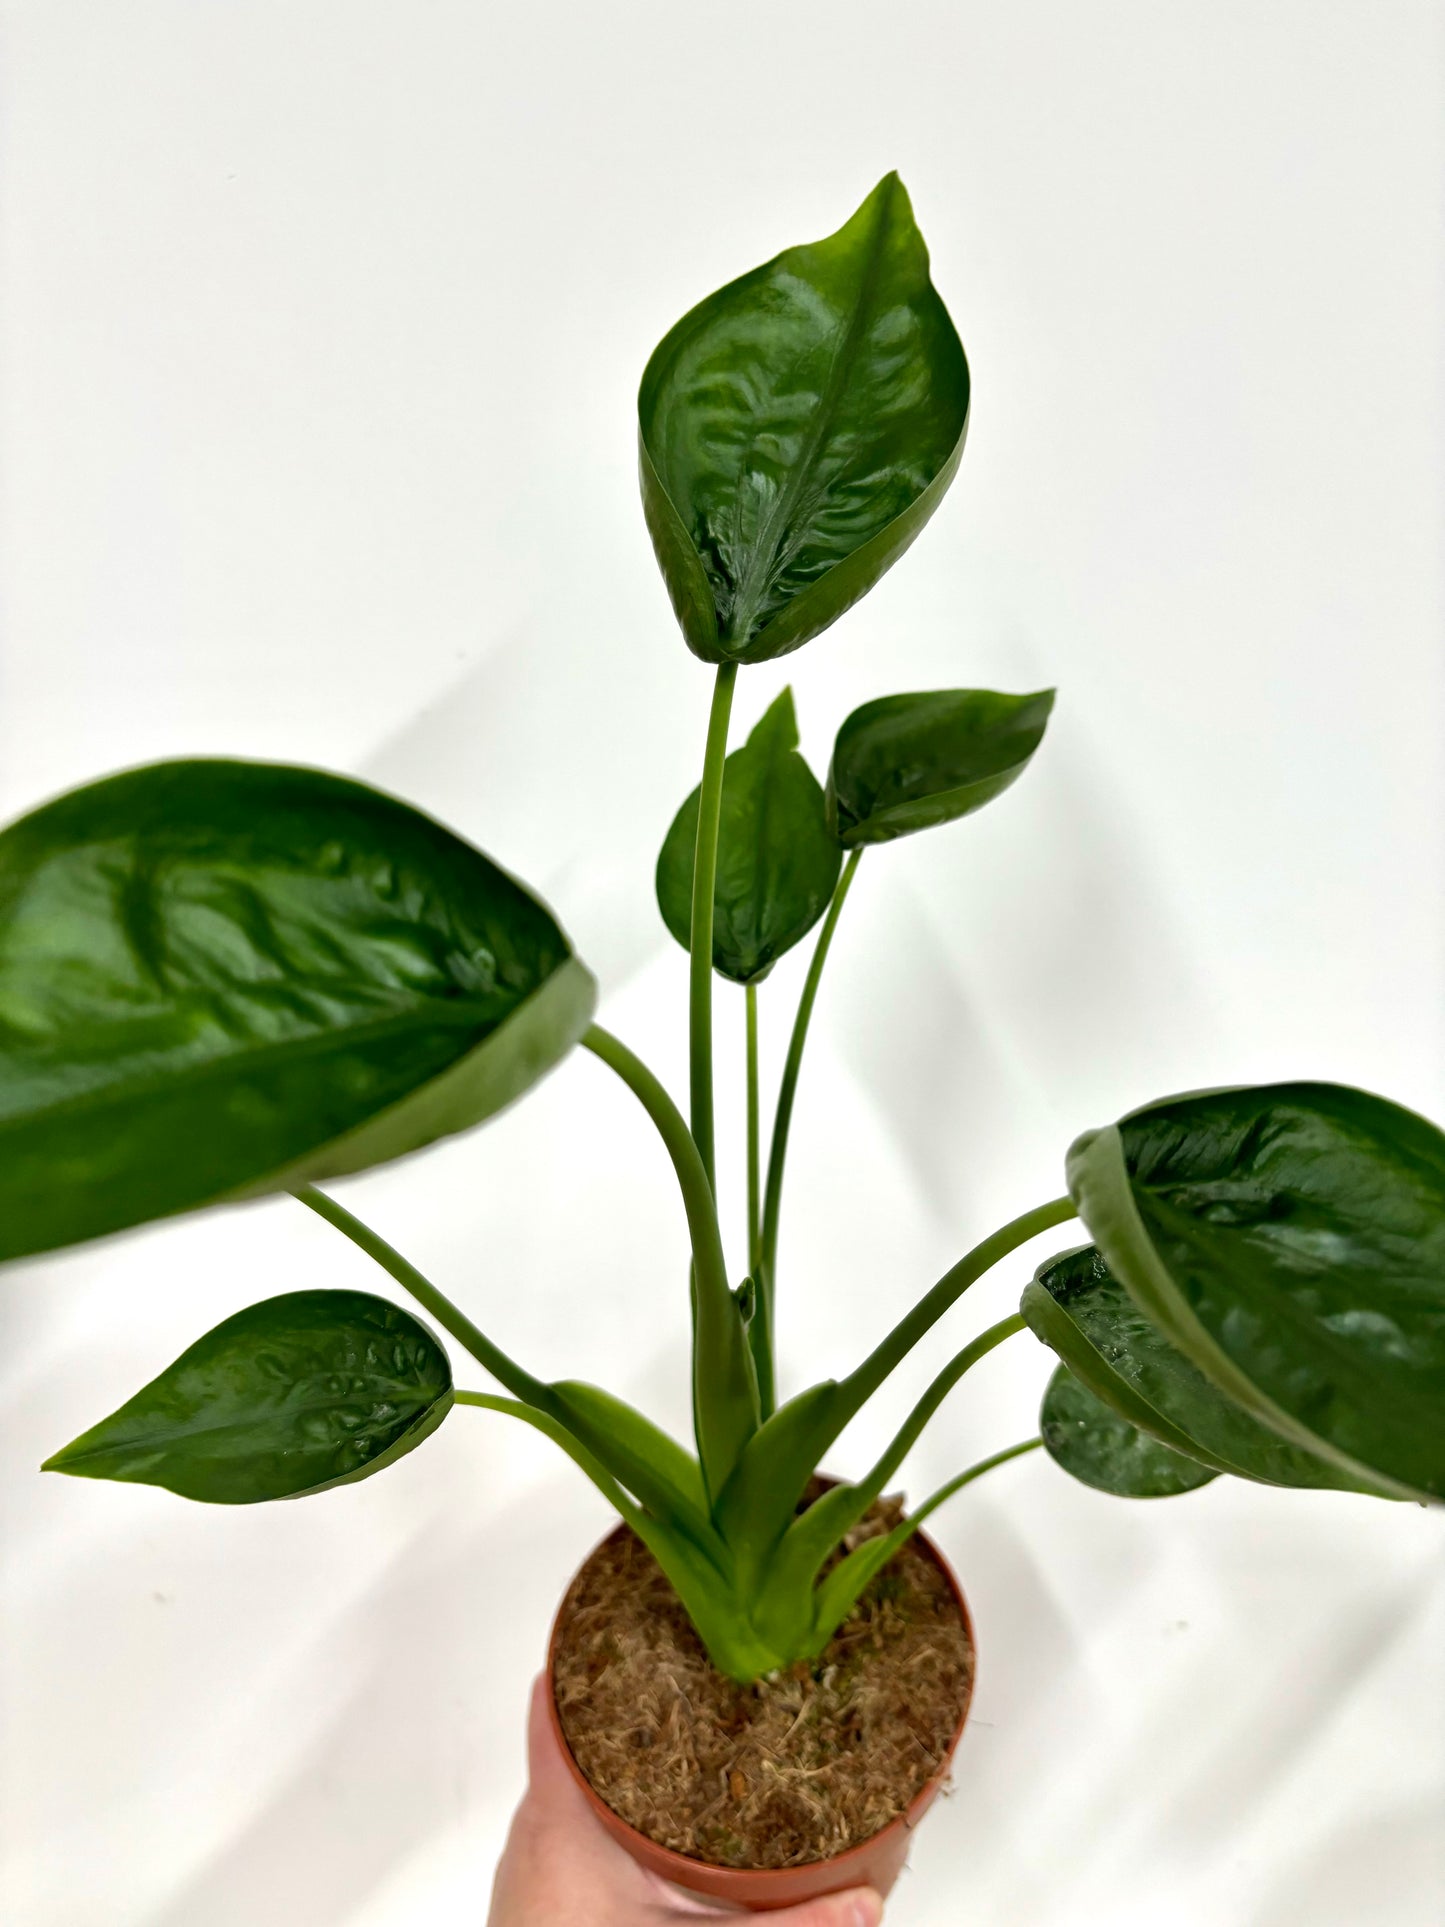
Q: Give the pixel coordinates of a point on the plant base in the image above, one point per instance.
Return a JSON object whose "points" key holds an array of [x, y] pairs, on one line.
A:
{"points": [[799, 1785]]}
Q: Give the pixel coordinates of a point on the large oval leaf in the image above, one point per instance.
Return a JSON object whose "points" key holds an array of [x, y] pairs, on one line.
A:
{"points": [[227, 977], [797, 429], [904, 763], [1079, 1309], [1096, 1446], [1290, 1240], [777, 865], [294, 1395]]}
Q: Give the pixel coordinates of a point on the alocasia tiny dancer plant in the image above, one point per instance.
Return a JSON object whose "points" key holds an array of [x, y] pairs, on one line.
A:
{"points": [[224, 979]]}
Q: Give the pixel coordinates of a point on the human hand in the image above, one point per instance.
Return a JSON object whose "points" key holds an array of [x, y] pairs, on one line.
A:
{"points": [[559, 1868]]}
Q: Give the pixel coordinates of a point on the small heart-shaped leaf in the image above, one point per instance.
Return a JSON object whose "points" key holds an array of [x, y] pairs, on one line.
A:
{"points": [[777, 865], [904, 763], [291, 1396]]}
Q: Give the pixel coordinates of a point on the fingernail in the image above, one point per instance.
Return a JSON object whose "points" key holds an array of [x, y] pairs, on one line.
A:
{"points": [[867, 1911]]}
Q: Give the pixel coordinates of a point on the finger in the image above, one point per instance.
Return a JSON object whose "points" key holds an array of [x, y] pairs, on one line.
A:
{"points": [[557, 1814], [547, 1771], [859, 1907]]}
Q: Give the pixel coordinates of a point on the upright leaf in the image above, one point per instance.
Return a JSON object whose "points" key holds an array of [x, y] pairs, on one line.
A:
{"points": [[1099, 1448], [291, 1396], [1077, 1307], [224, 977], [797, 429], [1290, 1240], [777, 864], [904, 763]]}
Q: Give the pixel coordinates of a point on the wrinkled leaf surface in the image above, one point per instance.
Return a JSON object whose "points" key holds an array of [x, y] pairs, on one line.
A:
{"points": [[1096, 1446], [797, 429], [294, 1395], [1076, 1306], [1290, 1240], [226, 977]]}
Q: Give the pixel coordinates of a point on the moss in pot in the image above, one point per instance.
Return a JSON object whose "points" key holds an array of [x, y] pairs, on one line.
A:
{"points": [[223, 979]]}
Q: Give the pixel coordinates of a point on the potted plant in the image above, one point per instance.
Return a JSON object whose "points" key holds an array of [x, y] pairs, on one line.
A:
{"points": [[225, 979]]}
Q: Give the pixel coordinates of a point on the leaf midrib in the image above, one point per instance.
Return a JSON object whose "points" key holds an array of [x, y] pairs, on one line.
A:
{"points": [[448, 1013], [766, 550], [203, 1429]]}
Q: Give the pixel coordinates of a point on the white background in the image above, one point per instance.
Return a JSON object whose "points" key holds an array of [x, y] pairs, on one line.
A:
{"points": [[322, 328]]}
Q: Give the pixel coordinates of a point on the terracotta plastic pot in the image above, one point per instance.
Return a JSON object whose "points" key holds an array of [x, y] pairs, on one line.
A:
{"points": [[876, 1863]]}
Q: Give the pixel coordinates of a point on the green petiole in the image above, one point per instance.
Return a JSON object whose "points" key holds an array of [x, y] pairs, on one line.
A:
{"points": [[778, 1149], [704, 882], [725, 1397], [505, 1370]]}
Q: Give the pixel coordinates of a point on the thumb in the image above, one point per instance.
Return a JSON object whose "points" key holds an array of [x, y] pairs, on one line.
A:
{"points": [[858, 1907]]}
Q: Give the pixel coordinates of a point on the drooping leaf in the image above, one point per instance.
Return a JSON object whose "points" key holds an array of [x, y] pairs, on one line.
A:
{"points": [[1079, 1309], [1290, 1241], [219, 978], [292, 1396], [904, 763], [777, 864], [797, 429], [1096, 1446]]}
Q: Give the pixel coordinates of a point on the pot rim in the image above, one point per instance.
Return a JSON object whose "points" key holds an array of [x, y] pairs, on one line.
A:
{"points": [[742, 1883]]}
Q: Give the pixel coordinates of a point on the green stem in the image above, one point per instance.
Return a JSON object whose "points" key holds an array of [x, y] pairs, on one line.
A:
{"points": [[778, 1150], [760, 1327], [937, 1392], [505, 1370], [932, 1503], [860, 1385], [704, 884], [815, 1533], [559, 1435], [796, 1439], [750, 993], [723, 1384], [842, 1586]]}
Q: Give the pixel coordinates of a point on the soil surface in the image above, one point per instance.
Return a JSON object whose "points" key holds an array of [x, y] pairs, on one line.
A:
{"points": [[792, 1769]]}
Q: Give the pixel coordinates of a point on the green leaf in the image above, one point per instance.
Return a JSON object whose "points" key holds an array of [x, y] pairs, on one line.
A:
{"points": [[1077, 1307], [904, 763], [1290, 1241], [294, 1395], [644, 1458], [777, 863], [221, 978], [758, 1503], [797, 429], [1094, 1445]]}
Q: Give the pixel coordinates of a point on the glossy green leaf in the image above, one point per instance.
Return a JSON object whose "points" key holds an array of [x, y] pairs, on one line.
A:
{"points": [[219, 978], [777, 863], [294, 1395], [1290, 1241], [797, 429], [1099, 1448], [1079, 1309], [904, 763]]}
